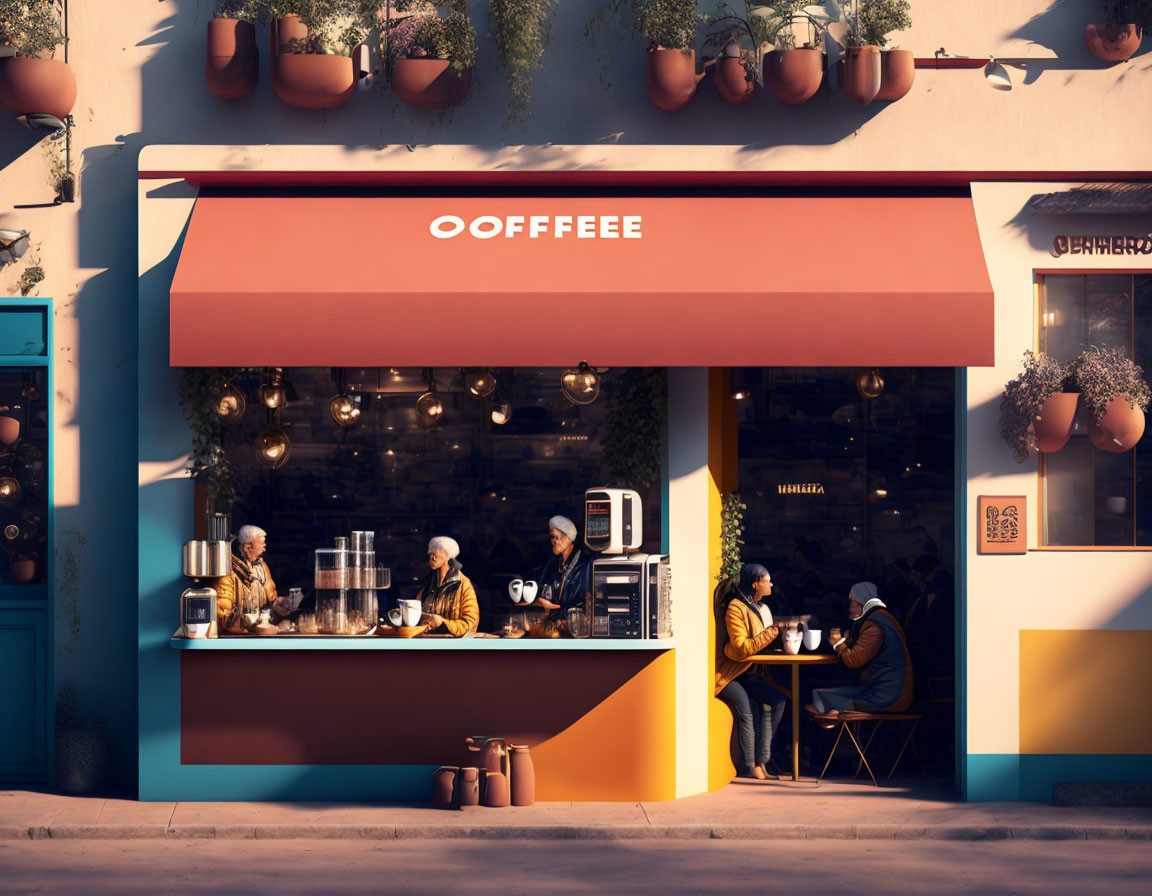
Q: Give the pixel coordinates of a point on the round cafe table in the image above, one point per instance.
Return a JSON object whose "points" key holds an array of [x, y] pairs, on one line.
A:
{"points": [[795, 661]]}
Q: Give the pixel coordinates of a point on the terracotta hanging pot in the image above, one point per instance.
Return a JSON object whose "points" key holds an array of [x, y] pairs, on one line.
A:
{"points": [[308, 80], [897, 72], [22, 569], [9, 430], [860, 73], [232, 62], [672, 77], [1119, 429], [733, 81], [1053, 425], [430, 83], [794, 75], [29, 86], [1113, 43]]}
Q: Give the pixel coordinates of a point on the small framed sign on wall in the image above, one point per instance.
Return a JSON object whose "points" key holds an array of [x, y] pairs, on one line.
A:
{"points": [[1000, 526]]}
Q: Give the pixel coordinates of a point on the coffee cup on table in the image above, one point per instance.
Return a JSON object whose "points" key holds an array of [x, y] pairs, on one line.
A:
{"points": [[411, 611], [396, 617], [530, 591], [516, 590], [812, 638]]}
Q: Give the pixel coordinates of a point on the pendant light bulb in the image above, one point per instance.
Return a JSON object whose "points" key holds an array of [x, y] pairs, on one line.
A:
{"points": [[480, 382], [869, 383], [580, 385], [273, 447], [344, 409], [10, 492], [501, 413], [429, 406], [232, 404], [272, 393]]}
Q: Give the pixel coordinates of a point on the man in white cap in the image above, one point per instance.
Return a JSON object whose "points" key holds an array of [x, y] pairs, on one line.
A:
{"points": [[564, 582], [449, 598], [874, 647]]}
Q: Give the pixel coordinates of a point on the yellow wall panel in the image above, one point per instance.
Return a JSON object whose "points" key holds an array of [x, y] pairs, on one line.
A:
{"points": [[1085, 692]]}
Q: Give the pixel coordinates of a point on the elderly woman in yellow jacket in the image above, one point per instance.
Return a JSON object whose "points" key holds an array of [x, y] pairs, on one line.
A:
{"points": [[249, 588], [448, 598], [746, 629]]}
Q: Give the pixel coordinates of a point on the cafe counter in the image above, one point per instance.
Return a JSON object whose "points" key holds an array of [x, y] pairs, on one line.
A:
{"points": [[599, 714]]}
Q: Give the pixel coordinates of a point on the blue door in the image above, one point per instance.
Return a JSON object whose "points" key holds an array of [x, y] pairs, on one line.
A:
{"points": [[23, 695]]}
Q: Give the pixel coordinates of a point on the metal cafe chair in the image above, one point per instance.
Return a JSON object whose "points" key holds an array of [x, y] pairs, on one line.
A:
{"points": [[852, 718]]}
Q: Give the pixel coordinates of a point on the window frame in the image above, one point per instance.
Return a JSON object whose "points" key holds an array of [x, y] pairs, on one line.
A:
{"points": [[1038, 276]]}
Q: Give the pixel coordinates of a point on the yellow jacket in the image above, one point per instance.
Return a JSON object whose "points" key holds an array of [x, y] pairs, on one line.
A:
{"points": [[743, 635], [455, 600], [228, 587]]}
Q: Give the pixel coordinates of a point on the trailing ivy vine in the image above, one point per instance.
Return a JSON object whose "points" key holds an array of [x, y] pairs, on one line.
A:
{"points": [[200, 391], [634, 427], [731, 536]]}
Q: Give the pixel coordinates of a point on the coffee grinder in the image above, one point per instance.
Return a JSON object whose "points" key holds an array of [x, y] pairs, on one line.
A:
{"points": [[209, 559]]}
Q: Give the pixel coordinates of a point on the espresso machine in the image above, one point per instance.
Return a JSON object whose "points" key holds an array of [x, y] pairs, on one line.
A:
{"points": [[631, 592]]}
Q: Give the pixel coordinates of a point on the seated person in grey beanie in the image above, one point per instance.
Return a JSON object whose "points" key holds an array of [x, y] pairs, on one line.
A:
{"points": [[566, 578], [874, 647]]}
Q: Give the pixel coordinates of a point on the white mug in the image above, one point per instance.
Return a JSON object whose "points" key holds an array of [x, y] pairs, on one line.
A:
{"points": [[812, 638], [530, 589], [396, 617], [516, 590], [791, 638], [411, 611]]}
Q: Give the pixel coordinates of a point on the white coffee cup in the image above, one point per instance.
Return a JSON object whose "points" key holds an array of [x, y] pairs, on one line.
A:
{"points": [[812, 638], [791, 638], [411, 611], [530, 591], [516, 590], [396, 617]]}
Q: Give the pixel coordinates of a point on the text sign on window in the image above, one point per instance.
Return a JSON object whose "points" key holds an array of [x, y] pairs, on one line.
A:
{"points": [[1000, 524]]}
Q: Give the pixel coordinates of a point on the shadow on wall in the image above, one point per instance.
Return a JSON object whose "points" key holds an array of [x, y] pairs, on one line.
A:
{"points": [[1060, 28]]}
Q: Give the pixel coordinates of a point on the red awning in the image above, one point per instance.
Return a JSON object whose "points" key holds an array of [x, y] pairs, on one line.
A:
{"points": [[616, 281]]}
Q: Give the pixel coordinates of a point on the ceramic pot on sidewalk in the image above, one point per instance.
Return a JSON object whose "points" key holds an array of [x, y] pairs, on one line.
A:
{"points": [[444, 786], [523, 775]]}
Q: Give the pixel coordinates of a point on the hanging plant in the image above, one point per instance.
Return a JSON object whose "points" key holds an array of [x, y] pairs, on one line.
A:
{"points": [[32, 82], [200, 391], [1104, 375], [634, 429], [523, 30], [1023, 404], [731, 536]]}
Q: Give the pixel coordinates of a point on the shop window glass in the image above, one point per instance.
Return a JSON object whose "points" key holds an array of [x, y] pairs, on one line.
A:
{"points": [[841, 488], [1094, 498], [24, 436], [491, 487]]}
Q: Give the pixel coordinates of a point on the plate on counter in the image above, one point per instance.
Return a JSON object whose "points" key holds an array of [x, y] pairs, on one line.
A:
{"points": [[401, 631]]}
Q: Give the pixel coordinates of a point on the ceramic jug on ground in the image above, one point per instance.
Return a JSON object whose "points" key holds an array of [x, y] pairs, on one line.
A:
{"points": [[493, 753], [792, 638], [496, 792], [444, 786], [523, 775], [468, 787]]}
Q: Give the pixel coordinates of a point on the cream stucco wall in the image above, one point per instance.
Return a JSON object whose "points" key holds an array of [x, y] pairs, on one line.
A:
{"points": [[140, 69], [1041, 589]]}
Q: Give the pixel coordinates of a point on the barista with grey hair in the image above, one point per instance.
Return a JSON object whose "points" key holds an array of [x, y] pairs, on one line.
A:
{"points": [[249, 584], [567, 573], [448, 598]]}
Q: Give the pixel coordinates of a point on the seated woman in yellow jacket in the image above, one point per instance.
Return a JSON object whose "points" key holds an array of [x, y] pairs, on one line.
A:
{"points": [[448, 597], [744, 629]]}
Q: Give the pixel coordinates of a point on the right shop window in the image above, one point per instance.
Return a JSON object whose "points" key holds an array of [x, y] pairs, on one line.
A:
{"points": [[1090, 497]]}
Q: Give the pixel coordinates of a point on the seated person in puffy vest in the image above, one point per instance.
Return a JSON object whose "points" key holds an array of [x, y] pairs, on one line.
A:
{"points": [[874, 648], [249, 588], [448, 598]]}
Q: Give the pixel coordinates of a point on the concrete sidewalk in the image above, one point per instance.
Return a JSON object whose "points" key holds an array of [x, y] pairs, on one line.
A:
{"points": [[746, 811]]}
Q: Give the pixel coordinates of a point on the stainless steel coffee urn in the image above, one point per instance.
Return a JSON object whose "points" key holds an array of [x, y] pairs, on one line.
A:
{"points": [[210, 559]]}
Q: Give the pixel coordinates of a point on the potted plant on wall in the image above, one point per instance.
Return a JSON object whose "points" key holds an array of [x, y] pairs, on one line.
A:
{"points": [[736, 70], [1038, 407], [231, 60], [1115, 394], [312, 46], [1118, 36], [670, 28], [429, 53], [32, 81], [794, 73], [866, 72], [523, 30]]}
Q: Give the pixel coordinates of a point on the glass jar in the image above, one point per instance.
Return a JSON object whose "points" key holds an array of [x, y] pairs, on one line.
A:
{"points": [[332, 569]]}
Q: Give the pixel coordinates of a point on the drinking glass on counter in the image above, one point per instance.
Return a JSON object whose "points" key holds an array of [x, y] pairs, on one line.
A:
{"points": [[306, 623], [578, 622]]}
